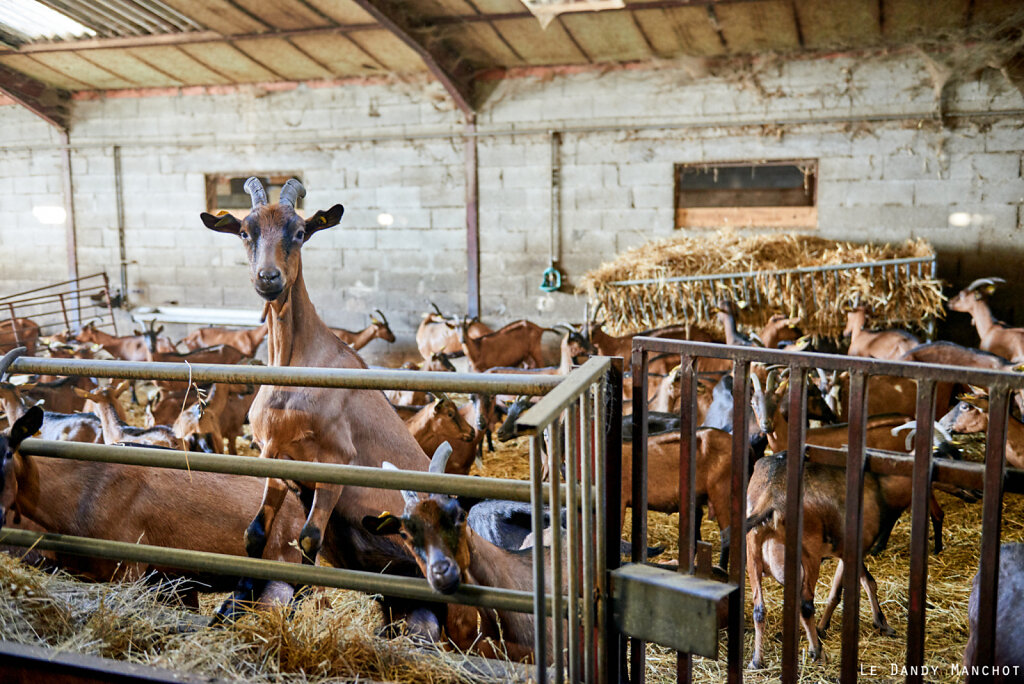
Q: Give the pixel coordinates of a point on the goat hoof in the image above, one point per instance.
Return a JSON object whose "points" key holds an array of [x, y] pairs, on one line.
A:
{"points": [[816, 656], [755, 664], [885, 630]]}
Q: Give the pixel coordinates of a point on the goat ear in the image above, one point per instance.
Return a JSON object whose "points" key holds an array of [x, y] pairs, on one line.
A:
{"points": [[323, 219], [439, 461], [26, 426], [383, 524], [225, 223]]}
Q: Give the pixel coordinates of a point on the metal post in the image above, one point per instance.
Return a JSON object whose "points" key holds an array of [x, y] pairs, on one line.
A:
{"points": [[738, 509], [572, 506], [853, 538], [472, 220], [637, 647], [608, 468], [536, 501], [687, 490], [121, 242], [70, 231], [919, 531], [794, 524], [590, 548], [556, 459]]}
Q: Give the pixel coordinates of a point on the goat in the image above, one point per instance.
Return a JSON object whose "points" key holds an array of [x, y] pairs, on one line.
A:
{"points": [[60, 395], [1009, 649], [63, 350], [130, 347], [878, 434], [378, 329], [116, 431], [441, 422], [222, 353], [21, 332], [449, 552], [198, 426], [71, 427], [572, 347], [883, 344], [726, 313], [996, 337], [970, 415], [173, 508], [313, 424], [778, 331], [439, 362], [517, 343], [823, 536], [949, 354], [435, 335], [245, 341]]}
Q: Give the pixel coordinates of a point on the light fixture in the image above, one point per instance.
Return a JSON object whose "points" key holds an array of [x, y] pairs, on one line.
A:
{"points": [[385, 219], [960, 219], [50, 215]]}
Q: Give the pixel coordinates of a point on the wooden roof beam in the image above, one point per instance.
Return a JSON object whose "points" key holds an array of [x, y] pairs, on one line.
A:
{"points": [[45, 101], [446, 65]]}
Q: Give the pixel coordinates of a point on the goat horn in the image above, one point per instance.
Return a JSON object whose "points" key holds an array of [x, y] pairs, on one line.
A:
{"points": [[437, 309], [383, 318], [439, 461], [254, 187], [982, 282], [292, 192]]}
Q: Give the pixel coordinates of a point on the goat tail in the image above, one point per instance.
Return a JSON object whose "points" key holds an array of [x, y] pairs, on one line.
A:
{"points": [[757, 519]]}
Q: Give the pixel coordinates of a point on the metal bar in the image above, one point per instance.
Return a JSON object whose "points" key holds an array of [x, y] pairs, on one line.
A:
{"points": [[70, 233], [14, 326], [64, 312], [110, 307], [737, 510], [794, 524], [294, 376], [52, 285], [936, 372], [853, 538], [784, 271], [919, 532], [224, 564], [560, 394], [472, 221], [590, 549], [991, 524], [299, 471], [121, 243], [573, 432], [638, 496], [687, 490], [608, 469], [540, 638], [557, 450]]}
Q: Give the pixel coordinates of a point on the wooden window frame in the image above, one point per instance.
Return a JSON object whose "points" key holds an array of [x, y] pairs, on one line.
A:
{"points": [[798, 217]]}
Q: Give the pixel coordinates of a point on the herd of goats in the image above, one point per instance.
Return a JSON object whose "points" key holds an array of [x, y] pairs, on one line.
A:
{"points": [[448, 540]]}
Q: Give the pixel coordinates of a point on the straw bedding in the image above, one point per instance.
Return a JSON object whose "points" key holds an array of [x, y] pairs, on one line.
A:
{"points": [[125, 621], [818, 299]]}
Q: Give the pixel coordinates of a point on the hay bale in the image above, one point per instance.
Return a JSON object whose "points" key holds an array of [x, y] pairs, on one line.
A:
{"points": [[897, 295]]}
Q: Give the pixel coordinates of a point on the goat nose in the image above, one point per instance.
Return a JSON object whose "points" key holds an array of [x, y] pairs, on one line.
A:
{"points": [[441, 568], [269, 274]]}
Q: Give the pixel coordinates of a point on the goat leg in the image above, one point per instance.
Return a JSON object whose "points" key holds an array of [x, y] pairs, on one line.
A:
{"points": [[834, 596], [755, 569], [325, 498], [248, 589], [937, 515], [867, 581]]}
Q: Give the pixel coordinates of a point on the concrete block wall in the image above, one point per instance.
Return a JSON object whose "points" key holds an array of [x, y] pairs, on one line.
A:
{"points": [[888, 170]]}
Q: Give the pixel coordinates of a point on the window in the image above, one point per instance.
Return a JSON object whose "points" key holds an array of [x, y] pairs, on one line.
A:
{"points": [[227, 193], [776, 194]]}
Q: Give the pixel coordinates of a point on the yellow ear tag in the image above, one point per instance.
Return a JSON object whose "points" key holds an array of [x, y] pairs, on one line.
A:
{"points": [[222, 212], [385, 514], [323, 219]]}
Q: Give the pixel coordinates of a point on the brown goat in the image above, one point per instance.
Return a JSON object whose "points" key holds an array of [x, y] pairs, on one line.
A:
{"points": [[435, 335], [518, 343], [130, 347], [433, 528], [438, 363], [245, 341], [159, 506], [571, 348], [116, 431], [971, 416], [883, 344], [60, 395], [198, 426], [357, 339], [313, 424], [779, 329], [440, 422], [23, 332], [222, 353], [996, 337], [70, 427]]}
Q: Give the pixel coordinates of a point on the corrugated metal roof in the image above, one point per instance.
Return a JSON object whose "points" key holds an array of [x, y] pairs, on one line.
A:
{"points": [[120, 18], [25, 21]]}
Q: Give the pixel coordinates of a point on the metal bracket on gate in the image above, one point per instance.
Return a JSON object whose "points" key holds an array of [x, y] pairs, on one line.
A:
{"points": [[669, 608]]}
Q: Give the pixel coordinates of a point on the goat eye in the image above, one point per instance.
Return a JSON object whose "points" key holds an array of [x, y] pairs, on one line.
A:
{"points": [[299, 235], [244, 235]]}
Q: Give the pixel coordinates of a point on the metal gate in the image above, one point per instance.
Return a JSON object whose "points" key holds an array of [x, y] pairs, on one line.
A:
{"points": [[60, 306], [574, 420], [992, 477]]}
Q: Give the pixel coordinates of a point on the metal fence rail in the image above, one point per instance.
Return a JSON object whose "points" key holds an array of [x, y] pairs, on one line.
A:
{"points": [[63, 305], [921, 467], [568, 405]]}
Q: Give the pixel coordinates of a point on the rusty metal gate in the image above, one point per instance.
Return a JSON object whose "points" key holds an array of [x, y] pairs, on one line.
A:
{"points": [[60, 306], [689, 590]]}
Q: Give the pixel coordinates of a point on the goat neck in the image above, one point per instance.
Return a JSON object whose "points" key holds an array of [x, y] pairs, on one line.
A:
{"points": [[113, 428]]}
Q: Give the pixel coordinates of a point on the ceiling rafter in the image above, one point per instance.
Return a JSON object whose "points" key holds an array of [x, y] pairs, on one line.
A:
{"points": [[45, 101], [446, 65]]}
